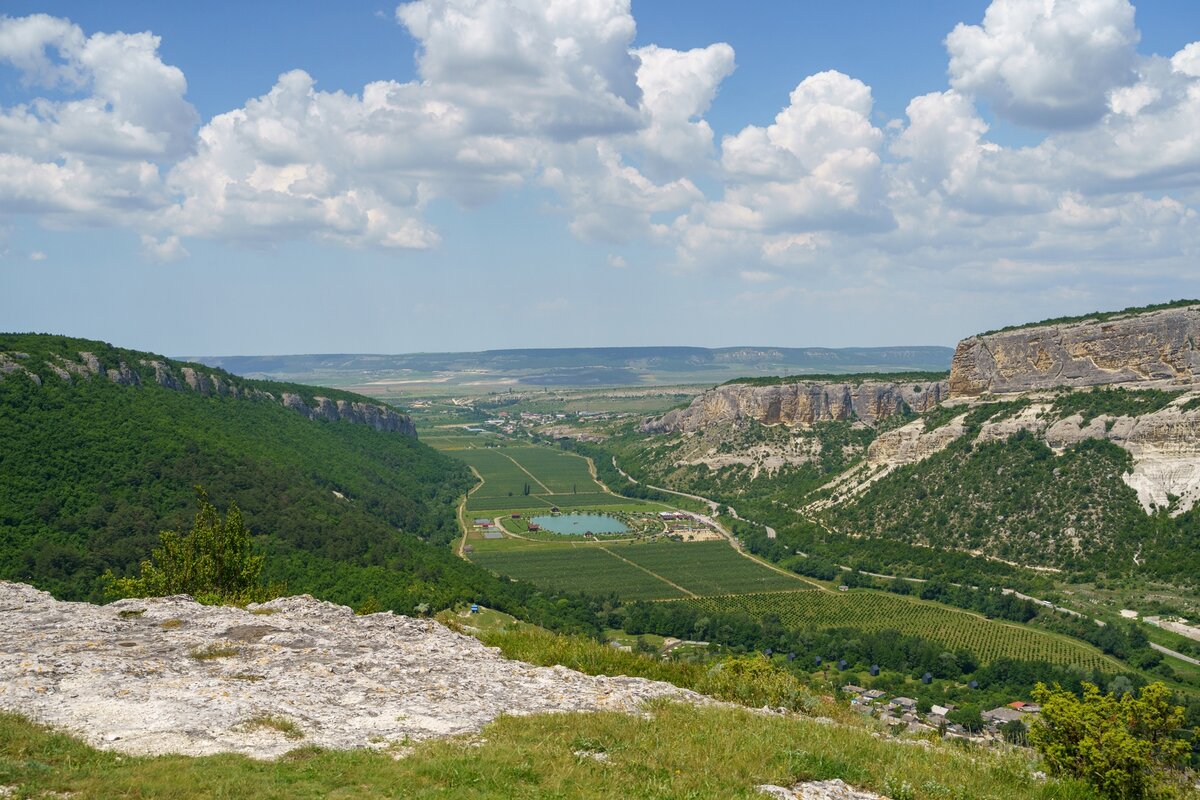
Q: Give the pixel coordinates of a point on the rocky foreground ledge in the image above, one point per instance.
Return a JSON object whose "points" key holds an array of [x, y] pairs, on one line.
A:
{"points": [[168, 675]]}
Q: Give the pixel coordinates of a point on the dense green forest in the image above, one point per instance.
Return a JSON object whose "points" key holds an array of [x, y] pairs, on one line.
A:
{"points": [[1020, 501], [93, 471]]}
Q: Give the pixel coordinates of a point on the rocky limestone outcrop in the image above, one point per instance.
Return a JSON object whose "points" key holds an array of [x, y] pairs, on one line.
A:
{"points": [[9, 364], [1164, 444], [168, 675], [803, 403], [379, 417], [835, 789], [1153, 349], [913, 443]]}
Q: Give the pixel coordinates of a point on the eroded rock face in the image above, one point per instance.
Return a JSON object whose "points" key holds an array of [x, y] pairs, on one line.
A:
{"points": [[803, 403], [913, 443], [1152, 349], [131, 681], [1164, 444]]}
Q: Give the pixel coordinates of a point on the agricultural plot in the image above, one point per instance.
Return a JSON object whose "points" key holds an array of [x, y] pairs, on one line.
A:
{"points": [[551, 477], [589, 500], [872, 611], [577, 569], [531, 503], [561, 473], [501, 477], [639, 571], [709, 568]]}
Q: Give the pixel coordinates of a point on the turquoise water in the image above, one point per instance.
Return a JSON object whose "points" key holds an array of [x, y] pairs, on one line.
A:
{"points": [[581, 524]]}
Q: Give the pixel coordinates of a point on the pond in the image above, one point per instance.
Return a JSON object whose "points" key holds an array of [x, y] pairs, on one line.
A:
{"points": [[580, 524]]}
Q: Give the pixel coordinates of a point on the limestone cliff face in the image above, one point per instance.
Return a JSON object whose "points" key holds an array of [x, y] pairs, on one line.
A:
{"points": [[1147, 350], [803, 404], [183, 378], [1165, 445]]}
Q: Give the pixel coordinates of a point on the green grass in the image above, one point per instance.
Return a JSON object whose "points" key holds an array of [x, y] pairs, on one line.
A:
{"points": [[874, 611], [676, 752], [709, 568], [579, 569]]}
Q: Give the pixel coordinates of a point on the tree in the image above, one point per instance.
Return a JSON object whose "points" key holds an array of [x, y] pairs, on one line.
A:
{"points": [[1123, 745], [214, 562], [968, 716]]}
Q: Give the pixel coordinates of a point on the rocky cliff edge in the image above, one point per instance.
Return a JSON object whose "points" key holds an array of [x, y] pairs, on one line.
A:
{"points": [[1137, 350], [803, 403], [187, 378]]}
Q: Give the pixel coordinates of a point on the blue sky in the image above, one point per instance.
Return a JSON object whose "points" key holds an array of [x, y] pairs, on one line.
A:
{"points": [[590, 173]]}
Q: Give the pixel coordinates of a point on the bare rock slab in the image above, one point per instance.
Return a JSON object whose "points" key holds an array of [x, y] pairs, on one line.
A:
{"points": [[835, 789], [168, 675]]}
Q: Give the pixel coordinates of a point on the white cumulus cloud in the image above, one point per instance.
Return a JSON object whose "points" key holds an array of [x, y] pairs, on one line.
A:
{"points": [[1046, 63]]}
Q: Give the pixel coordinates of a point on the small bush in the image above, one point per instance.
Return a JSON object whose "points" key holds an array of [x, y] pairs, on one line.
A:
{"points": [[214, 562], [1126, 746]]}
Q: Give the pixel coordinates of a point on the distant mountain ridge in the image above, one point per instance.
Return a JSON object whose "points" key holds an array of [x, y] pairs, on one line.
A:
{"points": [[583, 366]]}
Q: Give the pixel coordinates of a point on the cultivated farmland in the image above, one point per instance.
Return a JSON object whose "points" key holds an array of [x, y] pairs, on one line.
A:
{"points": [[577, 569], [874, 611], [552, 478], [561, 473], [709, 568], [652, 571]]}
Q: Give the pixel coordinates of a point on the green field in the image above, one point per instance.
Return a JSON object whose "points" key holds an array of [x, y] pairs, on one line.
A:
{"points": [[874, 611], [561, 473], [710, 568], [697, 567], [553, 478], [578, 569]]}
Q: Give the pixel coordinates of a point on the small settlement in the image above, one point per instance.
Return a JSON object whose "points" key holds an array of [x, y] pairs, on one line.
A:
{"points": [[902, 715]]}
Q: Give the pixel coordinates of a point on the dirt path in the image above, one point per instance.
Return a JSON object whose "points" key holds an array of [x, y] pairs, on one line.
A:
{"points": [[648, 572], [1169, 652], [532, 477], [462, 514], [596, 476]]}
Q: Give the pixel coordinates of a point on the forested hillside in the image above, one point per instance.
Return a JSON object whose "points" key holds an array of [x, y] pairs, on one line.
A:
{"points": [[93, 470]]}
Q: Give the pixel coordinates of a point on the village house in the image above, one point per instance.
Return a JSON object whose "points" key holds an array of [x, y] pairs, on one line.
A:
{"points": [[998, 716]]}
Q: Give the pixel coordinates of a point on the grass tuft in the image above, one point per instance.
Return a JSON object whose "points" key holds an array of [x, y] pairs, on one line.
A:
{"points": [[214, 651], [275, 723]]}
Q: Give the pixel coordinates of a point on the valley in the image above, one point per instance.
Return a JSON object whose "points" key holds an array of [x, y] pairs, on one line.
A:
{"points": [[846, 534]]}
